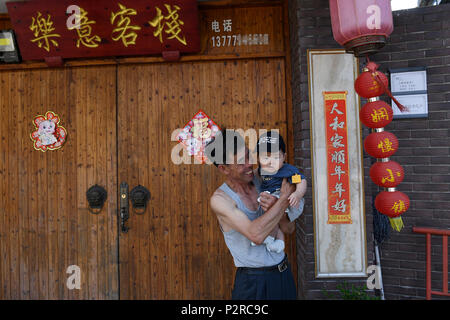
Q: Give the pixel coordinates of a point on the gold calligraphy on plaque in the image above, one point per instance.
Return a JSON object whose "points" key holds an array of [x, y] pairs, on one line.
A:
{"points": [[84, 30], [42, 30], [124, 30], [170, 24]]}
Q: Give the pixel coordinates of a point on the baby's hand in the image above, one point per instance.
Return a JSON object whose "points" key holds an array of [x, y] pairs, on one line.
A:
{"points": [[294, 199]]}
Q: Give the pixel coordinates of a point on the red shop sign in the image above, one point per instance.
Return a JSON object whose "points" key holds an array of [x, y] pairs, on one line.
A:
{"points": [[101, 28]]}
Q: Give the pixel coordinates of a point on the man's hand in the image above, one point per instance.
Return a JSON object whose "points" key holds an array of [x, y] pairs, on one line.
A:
{"points": [[266, 200]]}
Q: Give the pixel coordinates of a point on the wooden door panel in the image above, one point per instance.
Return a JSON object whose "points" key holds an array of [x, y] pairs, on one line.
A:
{"points": [[44, 222], [176, 250]]}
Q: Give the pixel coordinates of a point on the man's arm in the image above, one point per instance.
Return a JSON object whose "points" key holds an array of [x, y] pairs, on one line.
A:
{"points": [[258, 229], [266, 201], [286, 225]]}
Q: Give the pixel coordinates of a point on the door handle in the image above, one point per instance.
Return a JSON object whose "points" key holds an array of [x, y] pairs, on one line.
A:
{"points": [[96, 197], [139, 197], [124, 211]]}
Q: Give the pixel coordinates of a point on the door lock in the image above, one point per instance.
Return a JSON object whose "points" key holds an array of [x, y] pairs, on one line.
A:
{"points": [[124, 212]]}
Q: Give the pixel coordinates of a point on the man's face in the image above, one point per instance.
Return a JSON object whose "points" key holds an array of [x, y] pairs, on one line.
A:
{"points": [[240, 167], [271, 162]]}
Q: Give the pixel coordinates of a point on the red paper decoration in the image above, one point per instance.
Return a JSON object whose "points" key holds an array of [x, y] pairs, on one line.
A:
{"points": [[196, 134], [48, 134], [381, 144], [392, 204], [387, 174], [376, 114]]}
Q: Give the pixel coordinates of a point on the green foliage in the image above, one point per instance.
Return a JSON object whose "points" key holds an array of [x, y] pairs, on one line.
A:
{"points": [[348, 292]]}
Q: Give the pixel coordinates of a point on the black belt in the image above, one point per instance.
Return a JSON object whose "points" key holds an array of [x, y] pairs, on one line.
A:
{"points": [[282, 266]]}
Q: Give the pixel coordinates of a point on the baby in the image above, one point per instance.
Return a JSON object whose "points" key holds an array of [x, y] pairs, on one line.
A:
{"points": [[271, 151]]}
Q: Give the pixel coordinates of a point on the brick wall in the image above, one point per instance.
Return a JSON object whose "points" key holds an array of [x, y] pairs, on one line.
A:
{"points": [[421, 37]]}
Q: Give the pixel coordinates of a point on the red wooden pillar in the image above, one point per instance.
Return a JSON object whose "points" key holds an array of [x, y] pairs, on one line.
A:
{"points": [[444, 233], [445, 263], [428, 266]]}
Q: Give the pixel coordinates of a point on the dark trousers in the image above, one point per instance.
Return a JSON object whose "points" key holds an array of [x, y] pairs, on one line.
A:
{"points": [[260, 284]]}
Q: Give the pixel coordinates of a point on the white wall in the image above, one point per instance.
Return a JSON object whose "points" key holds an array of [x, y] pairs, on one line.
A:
{"points": [[2, 6]]}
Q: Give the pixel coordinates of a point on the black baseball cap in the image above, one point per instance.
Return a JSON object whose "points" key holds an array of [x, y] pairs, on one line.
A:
{"points": [[271, 141]]}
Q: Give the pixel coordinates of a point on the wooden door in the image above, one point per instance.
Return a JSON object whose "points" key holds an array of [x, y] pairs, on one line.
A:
{"points": [[45, 226], [120, 120], [176, 249]]}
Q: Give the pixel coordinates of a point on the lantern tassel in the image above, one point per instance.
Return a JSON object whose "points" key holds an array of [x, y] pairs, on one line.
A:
{"points": [[401, 107], [396, 223], [372, 66]]}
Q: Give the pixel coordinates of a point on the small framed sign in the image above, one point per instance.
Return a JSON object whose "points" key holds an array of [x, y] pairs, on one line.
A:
{"points": [[417, 105], [408, 81], [409, 87]]}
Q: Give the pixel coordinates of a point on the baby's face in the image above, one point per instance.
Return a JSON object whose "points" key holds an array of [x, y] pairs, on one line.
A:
{"points": [[271, 162]]}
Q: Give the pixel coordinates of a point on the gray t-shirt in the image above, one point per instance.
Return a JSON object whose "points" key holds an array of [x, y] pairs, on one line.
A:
{"points": [[244, 254]]}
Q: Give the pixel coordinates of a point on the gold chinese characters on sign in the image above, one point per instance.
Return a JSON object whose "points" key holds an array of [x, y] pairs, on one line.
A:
{"points": [[124, 31], [42, 29], [84, 30], [165, 24], [170, 24]]}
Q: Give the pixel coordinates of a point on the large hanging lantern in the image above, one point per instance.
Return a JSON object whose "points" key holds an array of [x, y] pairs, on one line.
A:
{"points": [[362, 26], [387, 174], [381, 144], [376, 114]]}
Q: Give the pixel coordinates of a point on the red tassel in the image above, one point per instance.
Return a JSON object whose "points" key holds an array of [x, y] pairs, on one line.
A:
{"points": [[372, 66]]}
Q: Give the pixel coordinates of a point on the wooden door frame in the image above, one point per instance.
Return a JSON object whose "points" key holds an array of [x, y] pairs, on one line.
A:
{"points": [[286, 54]]}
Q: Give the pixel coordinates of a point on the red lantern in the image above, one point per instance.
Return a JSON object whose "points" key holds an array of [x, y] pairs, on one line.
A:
{"points": [[376, 114], [361, 26], [371, 83], [387, 174], [381, 144], [392, 204]]}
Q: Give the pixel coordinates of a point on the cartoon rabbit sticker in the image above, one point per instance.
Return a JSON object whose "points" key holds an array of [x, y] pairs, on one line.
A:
{"points": [[49, 135], [46, 132]]}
